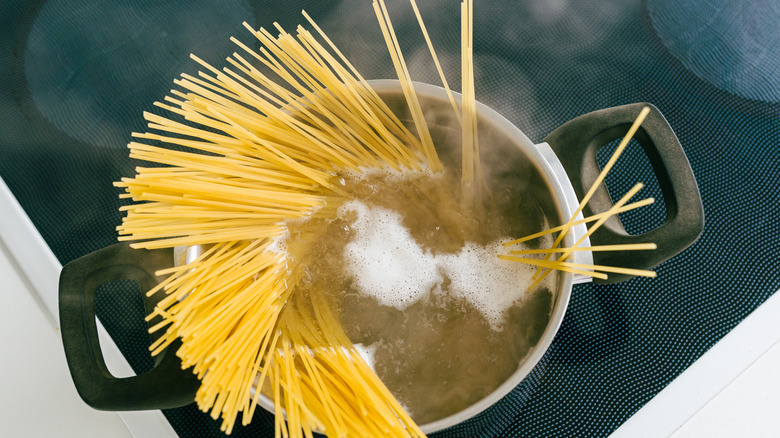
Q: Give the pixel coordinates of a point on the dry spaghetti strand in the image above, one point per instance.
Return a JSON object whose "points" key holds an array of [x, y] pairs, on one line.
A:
{"points": [[427, 37]]}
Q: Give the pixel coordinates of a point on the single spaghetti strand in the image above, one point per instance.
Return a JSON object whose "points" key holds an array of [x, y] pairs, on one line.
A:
{"points": [[467, 137], [598, 248], [436, 61], [479, 176]]}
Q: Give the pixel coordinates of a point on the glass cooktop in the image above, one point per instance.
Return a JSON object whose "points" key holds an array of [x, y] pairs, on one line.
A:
{"points": [[77, 74]]}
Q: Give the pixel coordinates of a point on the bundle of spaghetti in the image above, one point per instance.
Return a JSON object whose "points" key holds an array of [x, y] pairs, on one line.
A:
{"points": [[242, 151], [436, 62], [323, 384], [253, 152], [545, 266], [224, 308]]}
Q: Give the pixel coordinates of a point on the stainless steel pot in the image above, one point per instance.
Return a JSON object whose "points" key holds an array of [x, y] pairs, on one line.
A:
{"points": [[561, 169]]}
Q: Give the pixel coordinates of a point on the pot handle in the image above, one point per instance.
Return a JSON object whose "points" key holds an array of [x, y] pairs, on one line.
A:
{"points": [[166, 385], [576, 143]]}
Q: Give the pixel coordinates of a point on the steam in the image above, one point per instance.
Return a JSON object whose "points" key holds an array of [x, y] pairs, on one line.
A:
{"points": [[94, 66]]}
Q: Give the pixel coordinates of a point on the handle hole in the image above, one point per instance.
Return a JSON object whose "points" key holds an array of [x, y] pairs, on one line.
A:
{"points": [[632, 167], [119, 306]]}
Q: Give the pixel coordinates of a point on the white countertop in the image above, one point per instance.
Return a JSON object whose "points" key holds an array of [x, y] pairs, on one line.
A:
{"points": [[37, 396], [733, 390]]}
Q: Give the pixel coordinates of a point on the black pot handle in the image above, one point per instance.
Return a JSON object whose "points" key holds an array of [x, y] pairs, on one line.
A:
{"points": [[166, 385], [576, 143]]}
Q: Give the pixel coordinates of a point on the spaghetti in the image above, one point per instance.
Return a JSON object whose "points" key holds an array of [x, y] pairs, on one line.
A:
{"points": [[244, 150], [545, 266]]}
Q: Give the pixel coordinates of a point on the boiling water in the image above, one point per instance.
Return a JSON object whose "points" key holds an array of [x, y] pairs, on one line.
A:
{"points": [[415, 280]]}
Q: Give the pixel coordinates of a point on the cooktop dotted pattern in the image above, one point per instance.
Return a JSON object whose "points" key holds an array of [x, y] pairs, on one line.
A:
{"points": [[77, 75]]}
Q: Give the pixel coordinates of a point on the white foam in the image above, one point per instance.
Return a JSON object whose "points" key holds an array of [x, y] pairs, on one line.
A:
{"points": [[388, 174], [490, 284], [367, 352], [388, 264], [385, 260], [279, 243]]}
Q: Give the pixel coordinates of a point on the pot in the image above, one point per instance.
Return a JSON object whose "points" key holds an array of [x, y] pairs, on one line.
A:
{"points": [[557, 171]]}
